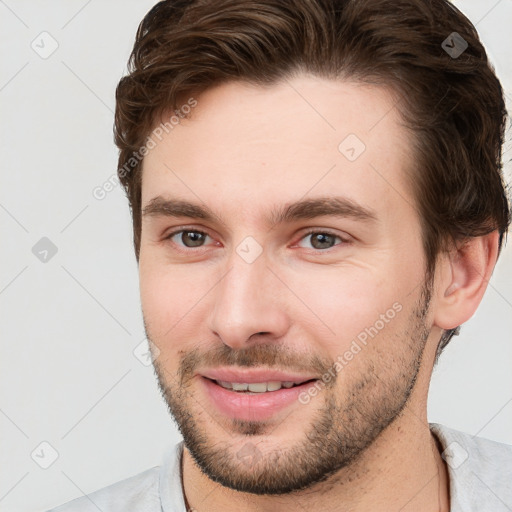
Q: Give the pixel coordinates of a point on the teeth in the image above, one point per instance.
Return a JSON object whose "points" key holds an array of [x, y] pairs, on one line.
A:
{"points": [[255, 387], [273, 385]]}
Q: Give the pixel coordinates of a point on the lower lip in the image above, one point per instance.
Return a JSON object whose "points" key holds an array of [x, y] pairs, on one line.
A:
{"points": [[252, 407]]}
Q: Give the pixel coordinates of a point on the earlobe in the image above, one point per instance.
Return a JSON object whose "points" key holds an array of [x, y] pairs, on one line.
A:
{"points": [[466, 273]]}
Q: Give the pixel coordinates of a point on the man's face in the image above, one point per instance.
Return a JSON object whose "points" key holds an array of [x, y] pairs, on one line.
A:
{"points": [[336, 299]]}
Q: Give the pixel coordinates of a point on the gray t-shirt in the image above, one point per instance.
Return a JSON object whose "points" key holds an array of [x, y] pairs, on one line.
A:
{"points": [[480, 473]]}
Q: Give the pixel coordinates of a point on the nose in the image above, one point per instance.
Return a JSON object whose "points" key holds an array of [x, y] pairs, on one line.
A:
{"points": [[246, 304]]}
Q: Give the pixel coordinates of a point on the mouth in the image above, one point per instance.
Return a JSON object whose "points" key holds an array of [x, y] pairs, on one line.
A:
{"points": [[260, 400]]}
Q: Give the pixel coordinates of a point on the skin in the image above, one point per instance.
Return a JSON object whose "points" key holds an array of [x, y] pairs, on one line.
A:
{"points": [[362, 442]]}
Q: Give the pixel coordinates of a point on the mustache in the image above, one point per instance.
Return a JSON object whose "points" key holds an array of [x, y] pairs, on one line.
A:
{"points": [[273, 356]]}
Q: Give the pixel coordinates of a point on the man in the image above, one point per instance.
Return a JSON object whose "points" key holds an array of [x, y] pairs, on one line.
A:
{"points": [[318, 205]]}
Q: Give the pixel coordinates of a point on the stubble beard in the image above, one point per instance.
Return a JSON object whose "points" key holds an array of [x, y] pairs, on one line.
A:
{"points": [[338, 434]]}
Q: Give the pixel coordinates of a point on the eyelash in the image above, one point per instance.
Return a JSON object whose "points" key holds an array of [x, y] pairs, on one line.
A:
{"points": [[304, 235]]}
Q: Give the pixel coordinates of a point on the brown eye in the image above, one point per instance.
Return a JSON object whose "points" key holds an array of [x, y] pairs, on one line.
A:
{"points": [[321, 240], [188, 238]]}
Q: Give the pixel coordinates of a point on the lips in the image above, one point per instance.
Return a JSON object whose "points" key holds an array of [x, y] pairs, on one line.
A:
{"points": [[253, 395]]}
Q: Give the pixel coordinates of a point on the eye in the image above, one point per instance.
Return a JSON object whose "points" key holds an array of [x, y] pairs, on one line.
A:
{"points": [[321, 239], [193, 238], [189, 238]]}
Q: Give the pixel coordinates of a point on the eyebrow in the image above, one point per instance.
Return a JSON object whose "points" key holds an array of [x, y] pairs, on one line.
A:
{"points": [[299, 210]]}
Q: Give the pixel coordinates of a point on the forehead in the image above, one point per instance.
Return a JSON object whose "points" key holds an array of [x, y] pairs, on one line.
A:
{"points": [[246, 146]]}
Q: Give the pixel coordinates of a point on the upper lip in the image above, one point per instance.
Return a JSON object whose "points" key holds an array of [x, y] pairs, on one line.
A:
{"points": [[254, 375]]}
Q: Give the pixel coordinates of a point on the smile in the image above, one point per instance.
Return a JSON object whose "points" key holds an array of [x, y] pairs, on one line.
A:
{"points": [[254, 401]]}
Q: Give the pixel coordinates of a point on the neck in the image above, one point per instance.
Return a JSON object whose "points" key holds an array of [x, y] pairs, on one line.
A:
{"points": [[402, 471]]}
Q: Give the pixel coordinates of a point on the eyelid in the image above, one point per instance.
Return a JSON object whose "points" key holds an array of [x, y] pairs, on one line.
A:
{"points": [[175, 231]]}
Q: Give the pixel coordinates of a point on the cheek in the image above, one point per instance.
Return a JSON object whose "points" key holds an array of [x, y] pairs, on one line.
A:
{"points": [[343, 305], [161, 294], [359, 312], [366, 328], [171, 298]]}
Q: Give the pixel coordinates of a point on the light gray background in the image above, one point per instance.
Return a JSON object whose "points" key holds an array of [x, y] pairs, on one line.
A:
{"points": [[68, 372]]}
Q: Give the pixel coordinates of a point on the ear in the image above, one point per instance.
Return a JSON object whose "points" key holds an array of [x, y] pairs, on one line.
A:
{"points": [[464, 275]]}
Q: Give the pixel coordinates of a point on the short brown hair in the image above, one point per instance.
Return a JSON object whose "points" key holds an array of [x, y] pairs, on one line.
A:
{"points": [[453, 104]]}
